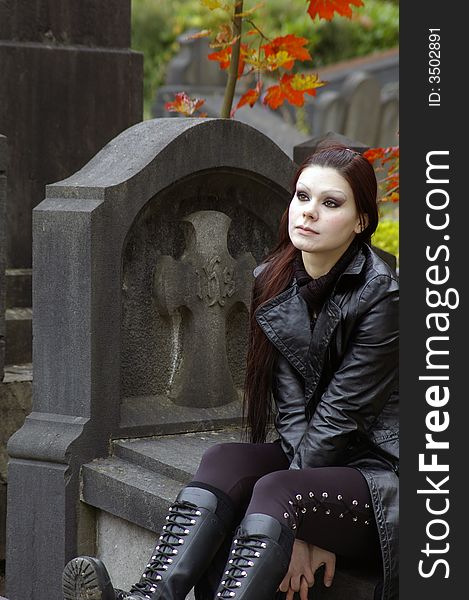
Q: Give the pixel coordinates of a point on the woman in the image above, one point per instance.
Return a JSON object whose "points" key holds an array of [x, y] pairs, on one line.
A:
{"points": [[324, 345]]}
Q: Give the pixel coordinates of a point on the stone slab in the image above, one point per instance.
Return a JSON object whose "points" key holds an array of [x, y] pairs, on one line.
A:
{"points": [[176, 456], [19, 333], [128, 491], [18, 286], [34, 79], [87, 22]]}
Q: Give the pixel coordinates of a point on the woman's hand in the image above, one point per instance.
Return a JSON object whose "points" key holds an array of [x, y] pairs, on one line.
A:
{"points": [[304, 562], [319, 557], [300, 575]]}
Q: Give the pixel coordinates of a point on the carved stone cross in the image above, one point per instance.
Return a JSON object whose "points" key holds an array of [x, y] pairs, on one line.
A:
{"points": [[200, 290]]}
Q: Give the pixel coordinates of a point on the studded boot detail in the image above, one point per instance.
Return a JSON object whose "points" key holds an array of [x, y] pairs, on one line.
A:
{"points": [[196, 525], [259, 559]]}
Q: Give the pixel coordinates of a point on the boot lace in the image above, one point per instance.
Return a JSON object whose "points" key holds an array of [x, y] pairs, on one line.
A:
{"points": [[245, 551], [181, 517]]}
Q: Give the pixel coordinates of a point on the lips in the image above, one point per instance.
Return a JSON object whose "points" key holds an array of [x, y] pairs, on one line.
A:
{"points": [[305, 229]]}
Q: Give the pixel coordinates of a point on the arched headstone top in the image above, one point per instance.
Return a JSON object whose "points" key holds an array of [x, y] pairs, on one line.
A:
{"points": [[155, 153]]}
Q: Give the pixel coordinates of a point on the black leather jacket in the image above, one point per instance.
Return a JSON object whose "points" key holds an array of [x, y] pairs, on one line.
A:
{"points": [[336, 391]]}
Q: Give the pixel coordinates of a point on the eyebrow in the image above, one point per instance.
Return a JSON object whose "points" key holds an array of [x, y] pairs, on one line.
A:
{"points": [[333, 190]]}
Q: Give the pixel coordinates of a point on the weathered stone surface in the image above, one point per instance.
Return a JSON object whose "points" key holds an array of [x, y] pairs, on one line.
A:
{"points": [[18, 329], [200, 291], [3, 192], [124, 547], [18, 284], [15, 404], [144, 476], [389, 120], [68, 84], [302, 151], [100, 342], [329, 113], [191, 67], [54, 22], [362, 95]]}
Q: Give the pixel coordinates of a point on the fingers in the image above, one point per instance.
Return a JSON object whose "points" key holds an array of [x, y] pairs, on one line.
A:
{"points": [[329, 571], [295, 583], [304, 589], [285, 584], [290, 594]]}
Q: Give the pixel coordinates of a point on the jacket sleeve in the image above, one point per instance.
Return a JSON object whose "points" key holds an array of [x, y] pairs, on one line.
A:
{"points": [[289, 394], [363, 382]]}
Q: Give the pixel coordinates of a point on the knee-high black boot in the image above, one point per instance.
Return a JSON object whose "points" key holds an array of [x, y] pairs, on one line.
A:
{"points": [[196, 525], [259, 559]]}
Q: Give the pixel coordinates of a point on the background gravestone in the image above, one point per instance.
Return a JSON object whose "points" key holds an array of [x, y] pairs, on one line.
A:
{"points": [[68, 84], [110, 343]]}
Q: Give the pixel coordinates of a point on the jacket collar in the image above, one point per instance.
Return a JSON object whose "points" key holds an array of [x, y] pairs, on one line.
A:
{"points": [[286, 322]]}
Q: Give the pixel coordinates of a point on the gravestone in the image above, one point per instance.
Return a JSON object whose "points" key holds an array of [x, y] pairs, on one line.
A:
{"points": [[359, 108], [363, 99], [68, 84], [191, 67], [329, 113], [3, 193], [166, 222], [389, 119]]}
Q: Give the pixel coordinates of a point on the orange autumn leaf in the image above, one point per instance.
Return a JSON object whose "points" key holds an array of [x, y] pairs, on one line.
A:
{"points": [[389, 184], [277, 60], [292, 88], [374, 154], [277, 94], [325, 9], [291, 44], [307, 83], [250, 97], [184, 104], [224, 57]]}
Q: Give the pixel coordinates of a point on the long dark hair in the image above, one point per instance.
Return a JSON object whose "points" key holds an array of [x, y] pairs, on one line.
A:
{"points": [[278, 272]]}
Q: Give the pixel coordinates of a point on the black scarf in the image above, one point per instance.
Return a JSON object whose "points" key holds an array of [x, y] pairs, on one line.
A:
{"points": [[315, 291]]}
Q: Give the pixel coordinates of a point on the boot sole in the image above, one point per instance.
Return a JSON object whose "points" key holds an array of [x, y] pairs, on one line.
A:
{"points": [[86, 578]]}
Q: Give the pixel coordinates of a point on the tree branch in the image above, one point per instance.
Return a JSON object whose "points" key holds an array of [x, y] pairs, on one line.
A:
{"points": [[235, 52]]}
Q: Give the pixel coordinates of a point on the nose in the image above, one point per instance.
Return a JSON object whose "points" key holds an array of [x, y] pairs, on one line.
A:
{"points": [[311, 211]]}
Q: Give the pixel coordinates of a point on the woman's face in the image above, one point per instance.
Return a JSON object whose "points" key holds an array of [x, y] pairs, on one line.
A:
{"points": [[323, 217]]}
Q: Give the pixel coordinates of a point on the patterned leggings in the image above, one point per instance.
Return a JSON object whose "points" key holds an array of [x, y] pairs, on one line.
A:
{"points": [[326, 506]]}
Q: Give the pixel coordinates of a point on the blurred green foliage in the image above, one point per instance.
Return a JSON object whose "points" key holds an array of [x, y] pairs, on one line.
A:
{"points": [[156, 24], [386, 236]]}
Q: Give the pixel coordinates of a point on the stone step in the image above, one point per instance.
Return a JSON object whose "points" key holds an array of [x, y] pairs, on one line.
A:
{"points": [[18, 288], [175, 456], [128, 491], [136, 485], [19, 335]]}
